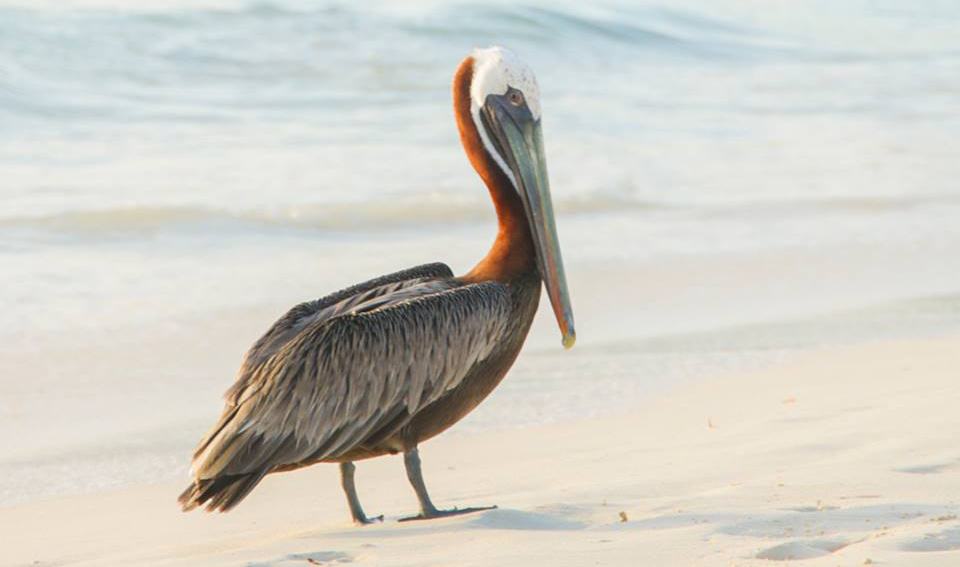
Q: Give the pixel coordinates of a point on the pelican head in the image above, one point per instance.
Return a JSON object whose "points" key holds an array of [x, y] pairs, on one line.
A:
{"points": [[505, 107]]}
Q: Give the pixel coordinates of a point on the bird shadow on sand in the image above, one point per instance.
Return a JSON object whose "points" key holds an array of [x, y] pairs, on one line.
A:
{"points": [[553, 518], [548, 518]]}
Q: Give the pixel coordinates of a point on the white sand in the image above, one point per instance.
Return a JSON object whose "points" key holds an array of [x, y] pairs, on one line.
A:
{"points": [[841, 457]]}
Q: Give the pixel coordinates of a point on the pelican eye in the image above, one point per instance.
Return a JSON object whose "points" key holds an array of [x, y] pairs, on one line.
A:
{"points": [[515, 98]]}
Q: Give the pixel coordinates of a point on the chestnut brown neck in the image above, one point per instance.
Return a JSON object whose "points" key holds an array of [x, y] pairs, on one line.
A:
{"points": [[512, 253]]}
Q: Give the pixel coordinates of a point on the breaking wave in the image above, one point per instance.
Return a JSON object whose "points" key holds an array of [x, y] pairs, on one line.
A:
{"points": [[404, 212]]}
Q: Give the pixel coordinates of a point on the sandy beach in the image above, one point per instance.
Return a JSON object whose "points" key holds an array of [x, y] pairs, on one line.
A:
{"points": [[759, 217], [842, 456]]}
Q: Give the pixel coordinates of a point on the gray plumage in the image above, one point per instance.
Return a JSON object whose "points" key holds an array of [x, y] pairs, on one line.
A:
{"points": [[345, 376]]}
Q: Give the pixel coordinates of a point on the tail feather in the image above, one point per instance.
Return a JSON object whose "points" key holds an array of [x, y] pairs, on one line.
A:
{"points": [[221, 493]]}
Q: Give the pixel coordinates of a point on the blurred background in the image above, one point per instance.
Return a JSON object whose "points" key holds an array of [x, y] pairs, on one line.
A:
{"points": [[734, 179]]}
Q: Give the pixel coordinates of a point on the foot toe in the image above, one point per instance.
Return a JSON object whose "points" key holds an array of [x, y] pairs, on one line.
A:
{"points": [[365, 521]]}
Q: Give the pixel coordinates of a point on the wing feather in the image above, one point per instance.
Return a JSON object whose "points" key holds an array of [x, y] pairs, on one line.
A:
{"points": [[338, 381], [327, 307]]}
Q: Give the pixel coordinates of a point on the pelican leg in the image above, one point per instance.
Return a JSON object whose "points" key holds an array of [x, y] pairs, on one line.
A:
{"points": [[411, 460], [350, 488]]}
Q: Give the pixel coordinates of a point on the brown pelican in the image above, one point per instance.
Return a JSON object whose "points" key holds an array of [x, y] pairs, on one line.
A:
{"points": [[379, 367]]}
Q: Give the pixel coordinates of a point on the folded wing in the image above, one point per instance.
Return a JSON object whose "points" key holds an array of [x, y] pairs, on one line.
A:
{"points": [[335, 381]]}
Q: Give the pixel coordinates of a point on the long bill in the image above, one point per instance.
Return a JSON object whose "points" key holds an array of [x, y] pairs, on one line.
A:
{"points": [[518, 135]]}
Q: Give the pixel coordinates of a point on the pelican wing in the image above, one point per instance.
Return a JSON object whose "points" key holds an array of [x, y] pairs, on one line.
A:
{"points": [[302, 315], [341, 379]]}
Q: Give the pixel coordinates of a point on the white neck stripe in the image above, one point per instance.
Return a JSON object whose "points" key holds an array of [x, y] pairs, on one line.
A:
{"points": [[485, 138]]}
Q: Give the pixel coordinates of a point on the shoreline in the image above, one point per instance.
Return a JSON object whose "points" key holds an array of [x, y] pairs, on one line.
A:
{"points": [[809, 459]]}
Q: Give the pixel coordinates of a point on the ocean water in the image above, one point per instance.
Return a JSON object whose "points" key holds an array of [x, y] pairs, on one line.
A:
{"points": [[735, 179]]}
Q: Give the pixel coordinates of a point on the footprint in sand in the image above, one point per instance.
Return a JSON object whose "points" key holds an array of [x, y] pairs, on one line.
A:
{"points": [[301, 559], [805, 549], [947, 540], [932, 468]]}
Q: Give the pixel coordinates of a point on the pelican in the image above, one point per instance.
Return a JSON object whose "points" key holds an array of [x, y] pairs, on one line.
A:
{"points": [[382, 366]]}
